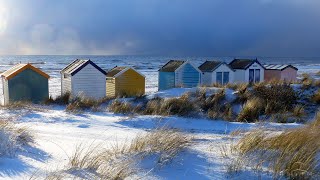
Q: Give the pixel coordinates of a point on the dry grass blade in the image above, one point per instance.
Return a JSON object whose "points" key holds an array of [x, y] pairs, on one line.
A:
{"points": [[84, 158], [118, 106], [293, 153], [251, 110], [119, 161], [12, 138]]}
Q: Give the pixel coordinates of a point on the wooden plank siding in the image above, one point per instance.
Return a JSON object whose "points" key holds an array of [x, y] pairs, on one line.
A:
{"points": [[28, 85], [65, 84], [89, 82], [5, 91], [289, 74], [166, 80], [206, 78], [129, 83], [111, 87], [187, 76], [270, 75]]}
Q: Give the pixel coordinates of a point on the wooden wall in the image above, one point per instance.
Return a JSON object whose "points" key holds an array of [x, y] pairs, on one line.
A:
{"points": [[89, 82]]}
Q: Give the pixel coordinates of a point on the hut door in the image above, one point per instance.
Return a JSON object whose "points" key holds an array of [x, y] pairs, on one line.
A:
{"points": [[257, 75], [225, 77], [219, 77], [251, 75]]}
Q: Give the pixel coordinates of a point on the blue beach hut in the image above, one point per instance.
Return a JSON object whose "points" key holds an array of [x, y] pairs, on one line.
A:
{"points": [[24, 82], [178, 73]]}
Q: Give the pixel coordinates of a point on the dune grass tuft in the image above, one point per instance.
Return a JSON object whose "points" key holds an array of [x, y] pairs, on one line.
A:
{"points": [[176, 106], [61, 99], [316, 97], [120, 161], [12, 138], [292, 153], [123, 107], [251, 110], [81, 103], [278, 97]]}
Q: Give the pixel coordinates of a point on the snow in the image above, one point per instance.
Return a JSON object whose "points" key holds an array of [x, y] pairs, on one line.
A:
{"points": [[58, 133]]}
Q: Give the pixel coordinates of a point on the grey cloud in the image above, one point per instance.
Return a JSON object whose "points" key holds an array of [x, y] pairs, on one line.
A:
{"points": [[162, 27]]}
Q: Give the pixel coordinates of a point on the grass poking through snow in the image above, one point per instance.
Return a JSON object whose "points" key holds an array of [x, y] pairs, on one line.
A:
{"points": [[293, 153], [13, 138], [121, 160]]}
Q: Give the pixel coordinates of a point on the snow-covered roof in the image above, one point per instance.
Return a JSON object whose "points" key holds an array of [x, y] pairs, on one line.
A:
{"points": [[210, 66], [77, 65], [114, 71], [118, 70], [13, 71], [278, 66], [172, 65], [243, 63]]}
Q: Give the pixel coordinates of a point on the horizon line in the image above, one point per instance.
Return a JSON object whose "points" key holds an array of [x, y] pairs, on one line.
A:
{"points": [[234, 56]]}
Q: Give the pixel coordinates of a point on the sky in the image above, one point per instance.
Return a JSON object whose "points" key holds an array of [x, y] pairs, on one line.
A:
{"points": [[272, 28]]}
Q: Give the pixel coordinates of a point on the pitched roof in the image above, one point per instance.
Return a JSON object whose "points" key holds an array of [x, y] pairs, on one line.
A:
{"points": [[278, 66], [117, 71], [15, 70], [243, 63], [171, 66], [210, 66], [78, 64], [114, 71]]}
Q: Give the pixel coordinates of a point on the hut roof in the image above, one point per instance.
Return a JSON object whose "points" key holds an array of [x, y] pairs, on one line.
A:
{"points": [[171, 66], [15, 70], [243, 63], [78, 64], [278, 66], [116, 71], [210, 66]]}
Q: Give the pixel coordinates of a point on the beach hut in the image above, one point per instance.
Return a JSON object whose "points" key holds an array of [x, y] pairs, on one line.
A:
{"points": [[247, 70], [125, 81], [177, 73], [283, 72], [24, 82], [83, 78], [216, 72]]}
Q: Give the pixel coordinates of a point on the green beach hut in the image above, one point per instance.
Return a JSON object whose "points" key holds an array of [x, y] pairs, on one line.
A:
{"points": [[24, 82]]}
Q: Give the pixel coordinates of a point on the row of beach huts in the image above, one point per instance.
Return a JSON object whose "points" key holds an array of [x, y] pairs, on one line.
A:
{"points": [[25, 82], [177, 73]]}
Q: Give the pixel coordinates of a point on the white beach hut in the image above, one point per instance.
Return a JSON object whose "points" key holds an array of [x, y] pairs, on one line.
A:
{"points": [[216, 72], [83, 78], [247, 70]]}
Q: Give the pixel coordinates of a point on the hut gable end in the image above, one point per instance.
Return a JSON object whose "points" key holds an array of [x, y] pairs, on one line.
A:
{"points": [[125, 81], [83, 78], [77, 65], [88, 82], [187, 75], [15, 70], [24, 82]]}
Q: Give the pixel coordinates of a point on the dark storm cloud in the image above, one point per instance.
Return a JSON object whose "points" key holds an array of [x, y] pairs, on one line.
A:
{"points": [[162, 27]]}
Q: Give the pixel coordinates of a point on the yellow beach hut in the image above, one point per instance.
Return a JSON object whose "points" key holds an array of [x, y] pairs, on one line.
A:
{"points": [[125, 81]]}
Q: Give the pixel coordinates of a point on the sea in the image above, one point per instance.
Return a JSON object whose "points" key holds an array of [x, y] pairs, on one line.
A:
{"points": [[148, 65]]}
